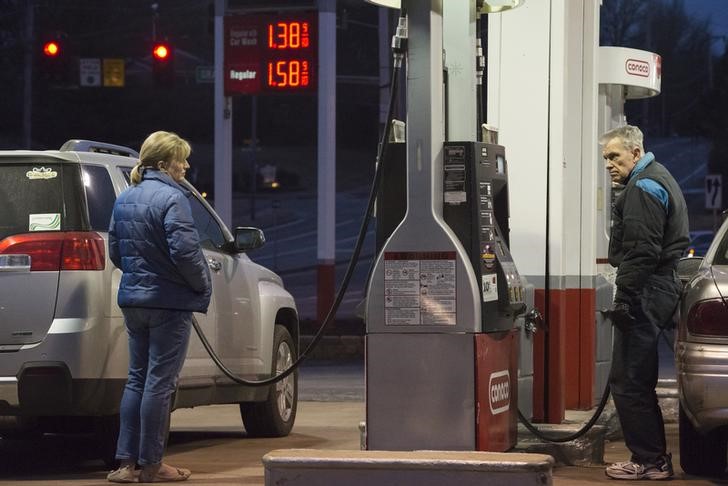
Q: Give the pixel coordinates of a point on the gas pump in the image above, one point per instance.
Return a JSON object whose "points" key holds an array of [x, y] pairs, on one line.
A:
{"points": [[476, 208], [441, 347]]}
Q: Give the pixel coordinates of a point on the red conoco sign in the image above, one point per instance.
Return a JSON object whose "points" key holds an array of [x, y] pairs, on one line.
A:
{"points": [[636, 67]]}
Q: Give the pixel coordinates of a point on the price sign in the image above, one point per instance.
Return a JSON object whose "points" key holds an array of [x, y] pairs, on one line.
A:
{"points": [[271, 53]]}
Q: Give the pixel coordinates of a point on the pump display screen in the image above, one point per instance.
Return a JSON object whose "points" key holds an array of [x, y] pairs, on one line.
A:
{"points": [[271, 53], [500, 164]]}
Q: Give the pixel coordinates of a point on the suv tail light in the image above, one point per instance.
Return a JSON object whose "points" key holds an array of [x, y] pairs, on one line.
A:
{"points": [[73, 250], [708, 317]]}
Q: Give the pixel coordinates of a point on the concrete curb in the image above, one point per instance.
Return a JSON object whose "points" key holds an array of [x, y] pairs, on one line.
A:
{"points": [[299, 467]]}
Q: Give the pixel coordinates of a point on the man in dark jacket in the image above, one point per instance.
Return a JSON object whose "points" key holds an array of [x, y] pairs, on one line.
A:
{"points": [[153, 240], [649, 234]]}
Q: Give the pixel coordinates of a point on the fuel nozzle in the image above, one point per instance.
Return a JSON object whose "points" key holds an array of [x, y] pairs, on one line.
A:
{"points": [[479, 61], [399, 41], [533, 321]]}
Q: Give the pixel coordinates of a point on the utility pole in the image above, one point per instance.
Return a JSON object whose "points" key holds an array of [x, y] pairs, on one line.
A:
{"points": [[28, 74], [155, 19]]}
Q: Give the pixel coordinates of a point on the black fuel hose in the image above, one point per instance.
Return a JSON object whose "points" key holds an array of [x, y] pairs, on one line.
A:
{"points": [[398, 55], [535, 318], [597, 413], [568, 438]]}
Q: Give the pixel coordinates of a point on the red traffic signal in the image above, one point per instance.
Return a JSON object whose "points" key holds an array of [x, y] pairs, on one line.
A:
{"points": [[51, 49], [161, 52], [163, 64]]}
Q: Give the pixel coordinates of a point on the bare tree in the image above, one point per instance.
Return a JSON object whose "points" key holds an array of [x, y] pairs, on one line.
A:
{"points": [[716, 124], [683, 42], [621, 22]]}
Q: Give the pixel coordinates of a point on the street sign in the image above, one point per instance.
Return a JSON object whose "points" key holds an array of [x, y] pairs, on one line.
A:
{"points": [[114, 73], [89, 72], [713, 191], [205, 74]]}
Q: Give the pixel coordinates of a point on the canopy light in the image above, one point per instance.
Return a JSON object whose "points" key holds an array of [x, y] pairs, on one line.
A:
{"points": [[485, 6], [386, 3], [495, 6]]}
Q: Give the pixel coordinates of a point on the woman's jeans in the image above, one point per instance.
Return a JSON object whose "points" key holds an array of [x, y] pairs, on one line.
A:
{"points": [[158, 340]]}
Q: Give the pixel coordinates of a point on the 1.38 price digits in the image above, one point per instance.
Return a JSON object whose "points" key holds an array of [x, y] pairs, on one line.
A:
{"points": [[288, 35]]}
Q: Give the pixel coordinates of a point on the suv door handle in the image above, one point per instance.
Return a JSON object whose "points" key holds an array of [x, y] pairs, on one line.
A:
{"points": [[214, 264]]}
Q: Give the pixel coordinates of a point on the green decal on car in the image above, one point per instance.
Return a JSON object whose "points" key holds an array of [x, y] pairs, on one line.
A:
{"points": [[44, 222]]}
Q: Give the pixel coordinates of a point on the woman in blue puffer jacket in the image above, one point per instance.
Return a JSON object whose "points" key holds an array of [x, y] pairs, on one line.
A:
{"points": [[153, 240]]}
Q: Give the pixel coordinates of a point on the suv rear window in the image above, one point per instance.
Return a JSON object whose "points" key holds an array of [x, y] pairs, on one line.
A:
{"points": [[40, 195]]}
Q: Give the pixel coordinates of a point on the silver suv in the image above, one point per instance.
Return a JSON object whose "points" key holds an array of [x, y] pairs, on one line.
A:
{"points": [[63, 345]]}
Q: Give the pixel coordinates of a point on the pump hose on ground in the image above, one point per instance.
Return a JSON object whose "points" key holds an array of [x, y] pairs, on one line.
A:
{"points": [[575, 435], [352, 262], [592, 420]]}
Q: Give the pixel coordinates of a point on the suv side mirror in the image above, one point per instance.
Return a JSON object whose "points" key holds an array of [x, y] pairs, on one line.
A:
{"points": [[687, 267], [248, 238]]}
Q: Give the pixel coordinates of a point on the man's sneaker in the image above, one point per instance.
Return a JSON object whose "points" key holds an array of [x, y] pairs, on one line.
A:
{"points": [[633, 470]]}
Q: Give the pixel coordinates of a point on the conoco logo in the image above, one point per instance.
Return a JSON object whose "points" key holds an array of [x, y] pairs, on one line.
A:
{"points": [[499, 387], [637, 67]]}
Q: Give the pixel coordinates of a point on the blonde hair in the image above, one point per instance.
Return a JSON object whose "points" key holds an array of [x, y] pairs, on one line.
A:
{"points": [[158, 151]]}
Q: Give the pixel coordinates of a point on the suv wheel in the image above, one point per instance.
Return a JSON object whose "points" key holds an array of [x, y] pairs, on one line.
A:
{"points": [[274, 417], [701, 454]]}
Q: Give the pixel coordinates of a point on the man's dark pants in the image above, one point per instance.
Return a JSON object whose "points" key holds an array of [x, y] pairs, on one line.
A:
{"points": [[633, 380]]}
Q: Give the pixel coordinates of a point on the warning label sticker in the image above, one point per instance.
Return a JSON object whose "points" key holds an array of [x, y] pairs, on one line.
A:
{"points": [[490, 287], [420, 288]]}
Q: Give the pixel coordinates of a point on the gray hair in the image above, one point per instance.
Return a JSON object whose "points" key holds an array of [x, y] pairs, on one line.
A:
{"points": [[630, 136], [164, 147]]}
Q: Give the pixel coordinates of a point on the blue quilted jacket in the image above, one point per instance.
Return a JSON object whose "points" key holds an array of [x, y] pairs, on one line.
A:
{"points": [[153, 240]]}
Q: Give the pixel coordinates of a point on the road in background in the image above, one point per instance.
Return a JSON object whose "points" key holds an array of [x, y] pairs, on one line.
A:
{"points": [[290, 226], [289, 222]]}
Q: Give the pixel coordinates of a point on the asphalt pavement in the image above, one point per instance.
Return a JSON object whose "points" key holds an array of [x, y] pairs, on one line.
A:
{"points": [[211, 441]]}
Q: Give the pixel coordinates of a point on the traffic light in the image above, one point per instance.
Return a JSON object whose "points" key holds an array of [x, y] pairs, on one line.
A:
{"points": [[163, 64], [51, 49], [54, 61]]}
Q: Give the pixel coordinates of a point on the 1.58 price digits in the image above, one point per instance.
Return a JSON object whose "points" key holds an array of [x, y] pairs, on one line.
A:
{"points": [[288, 73]]}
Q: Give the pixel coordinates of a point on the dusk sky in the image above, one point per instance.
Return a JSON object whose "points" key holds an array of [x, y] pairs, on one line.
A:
{"points": [[717, 12]]}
